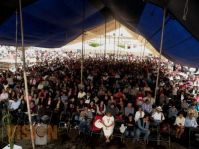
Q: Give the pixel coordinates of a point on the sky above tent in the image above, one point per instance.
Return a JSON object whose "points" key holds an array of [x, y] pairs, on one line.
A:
{"points": [[119, 40]]}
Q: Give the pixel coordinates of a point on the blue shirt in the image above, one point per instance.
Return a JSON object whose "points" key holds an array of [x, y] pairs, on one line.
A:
{"points": [[190, 122], [142, 125], [197, 107]]}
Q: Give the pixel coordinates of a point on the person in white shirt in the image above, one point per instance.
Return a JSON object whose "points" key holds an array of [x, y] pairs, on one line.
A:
{"points": [[175, 91], [90, 77], [88, 98], [81, 94], [6, 86], [139, 114], [109, 123], [4, 95], [40, 86], [10, 81], [179, 123], [158, 116], [147, 88]]}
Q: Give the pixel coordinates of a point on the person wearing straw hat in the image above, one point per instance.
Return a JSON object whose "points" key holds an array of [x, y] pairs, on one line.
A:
{"points": [[190, 121], [192, 109], [158, 116]]}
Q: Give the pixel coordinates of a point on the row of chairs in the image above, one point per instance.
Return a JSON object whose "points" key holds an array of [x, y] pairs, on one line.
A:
{"points": [[159, 134]]}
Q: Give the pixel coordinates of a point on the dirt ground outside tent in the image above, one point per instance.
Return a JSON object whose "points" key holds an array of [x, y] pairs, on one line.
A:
{"points": [[73, 141]]}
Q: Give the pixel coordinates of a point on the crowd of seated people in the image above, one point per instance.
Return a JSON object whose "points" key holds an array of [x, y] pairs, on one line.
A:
{"points": [[116, 90]]}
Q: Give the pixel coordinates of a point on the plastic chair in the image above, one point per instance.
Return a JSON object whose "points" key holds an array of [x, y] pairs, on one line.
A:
{"points": [[93, 128], [165, 133], [64, 122], [116, 132], [73, 122]]}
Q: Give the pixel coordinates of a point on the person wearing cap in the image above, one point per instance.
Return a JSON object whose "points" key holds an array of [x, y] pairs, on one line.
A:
{"points": [[158, 116], [108, 122], [190, 121]]}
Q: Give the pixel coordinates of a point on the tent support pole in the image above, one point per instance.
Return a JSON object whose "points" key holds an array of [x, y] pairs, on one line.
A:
{"points": [[140, 54], [16, 40], [160, 54], [114, 39], [145, 42], [82, 59], [118, 42], [83, 48], [25, 77], [105, 39], [100, 47]]}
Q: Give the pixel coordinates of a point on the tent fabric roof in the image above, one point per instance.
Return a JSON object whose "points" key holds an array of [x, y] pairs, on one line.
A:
{"points": [[51, 23], [54, 23], [179, 45]]}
